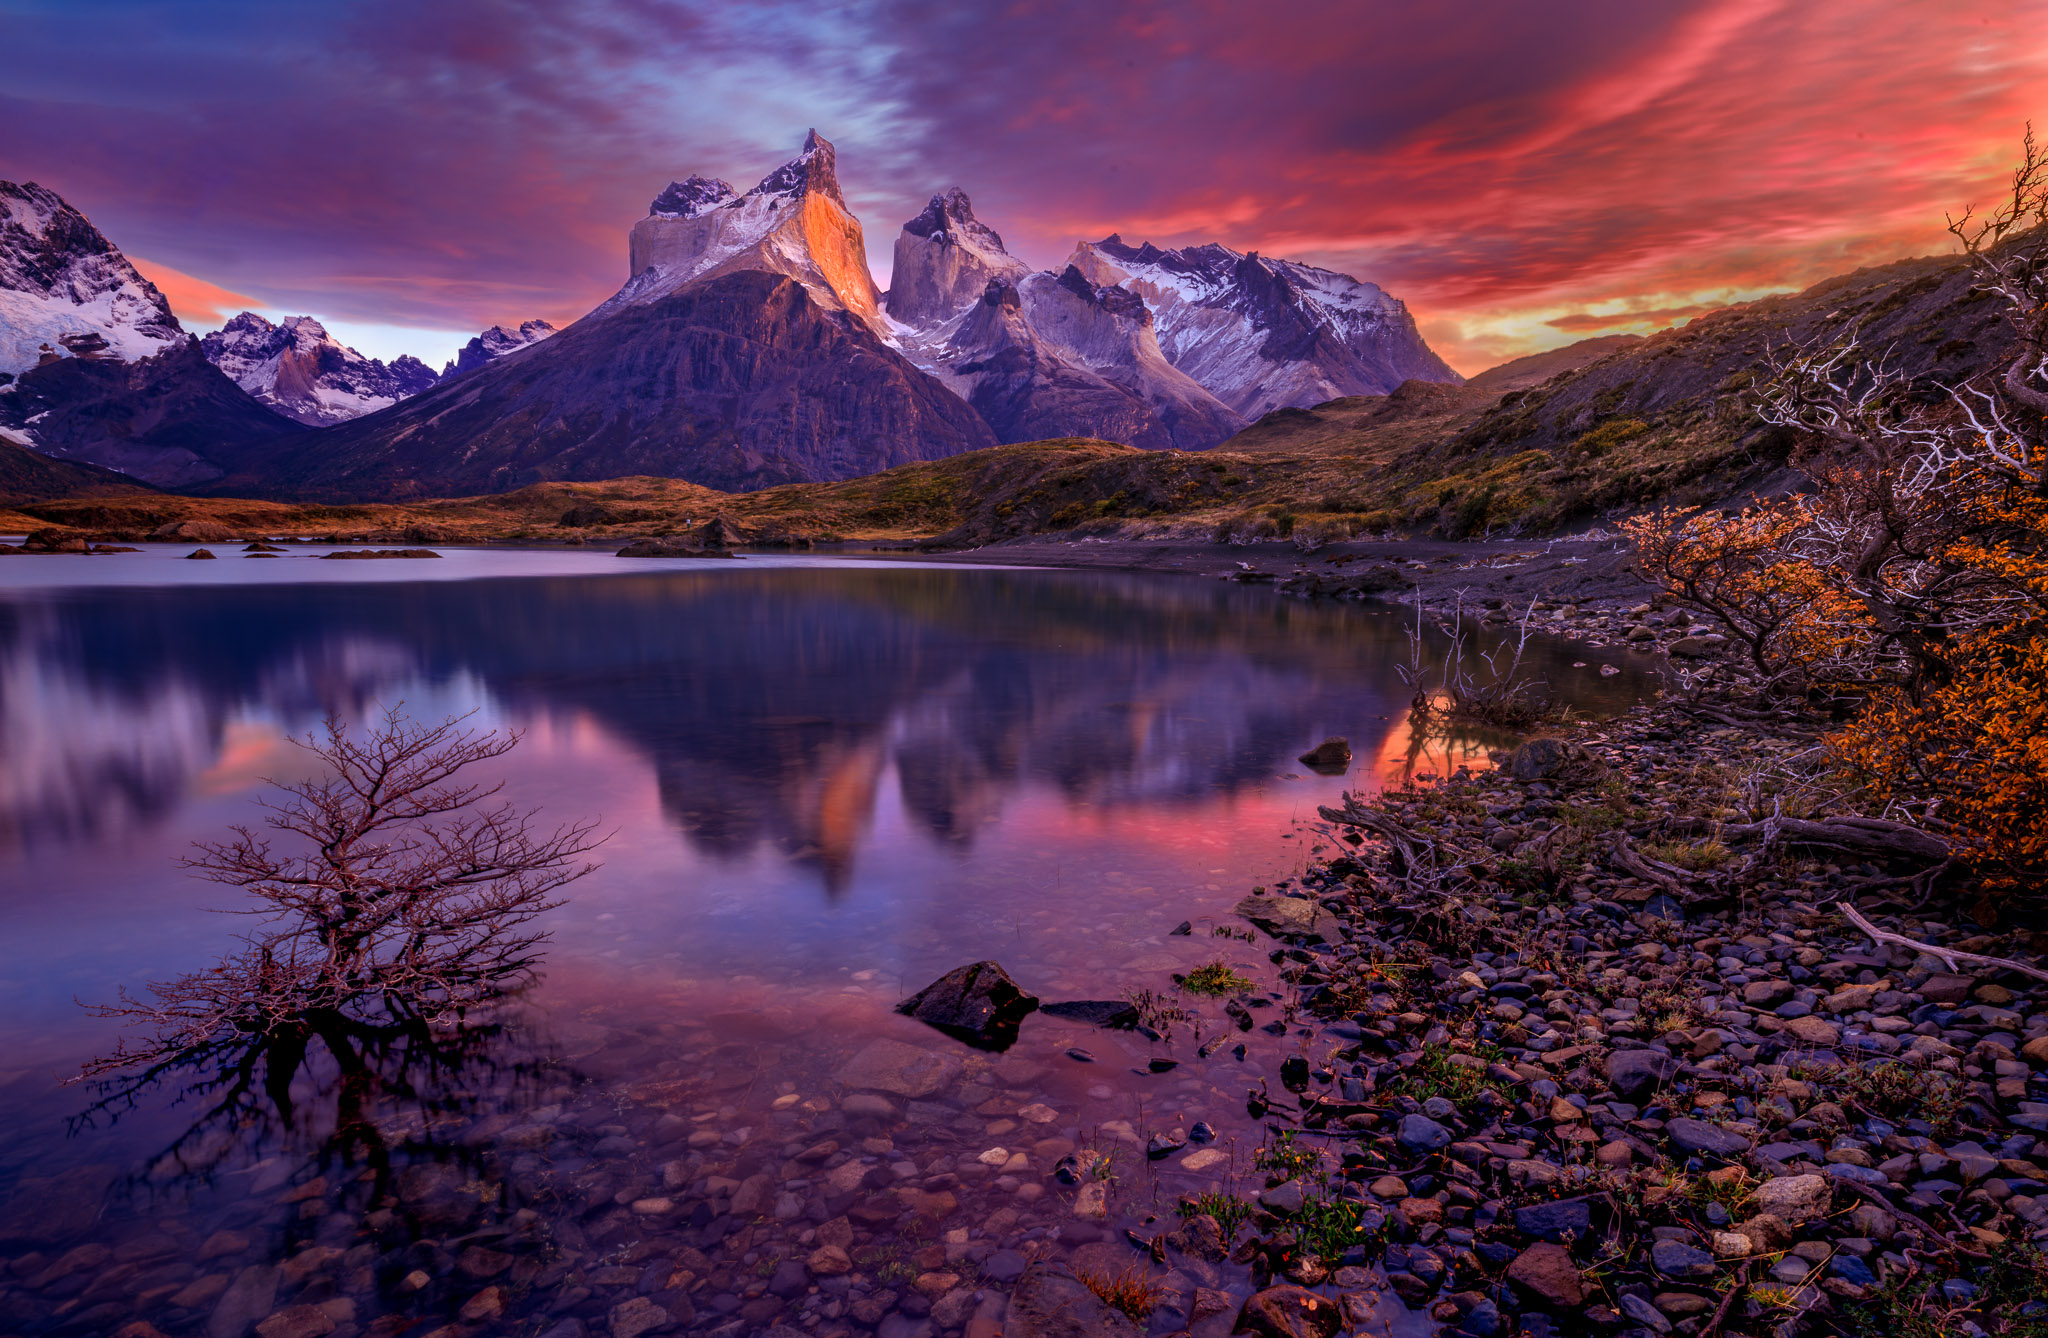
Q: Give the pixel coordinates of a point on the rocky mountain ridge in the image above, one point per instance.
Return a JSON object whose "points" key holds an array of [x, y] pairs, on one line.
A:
{"points": [[306, 374], [1264, 334], [495, 343], [66, 291]]}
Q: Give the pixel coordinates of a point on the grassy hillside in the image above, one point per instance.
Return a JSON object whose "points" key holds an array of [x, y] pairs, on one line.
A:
{"points": [[1617, 423]]}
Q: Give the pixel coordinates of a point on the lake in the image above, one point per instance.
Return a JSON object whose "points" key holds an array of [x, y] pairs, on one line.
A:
{"points": [[828, 781]]}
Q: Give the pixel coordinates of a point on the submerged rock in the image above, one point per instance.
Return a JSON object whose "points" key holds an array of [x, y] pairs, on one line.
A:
{"points": [[1099, 1012], [977, 1003], [1050, 1302], [899, 1069], [1331, 757], [673, 548]]}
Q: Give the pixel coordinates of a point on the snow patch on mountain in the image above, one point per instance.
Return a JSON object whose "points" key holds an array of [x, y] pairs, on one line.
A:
{"points": [[308, 375], [1262, 333], [793, 222], [495, 343], [66, 291]]}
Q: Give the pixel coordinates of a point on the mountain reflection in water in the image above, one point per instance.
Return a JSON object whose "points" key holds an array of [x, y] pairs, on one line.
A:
{"points": [[769, 705]]}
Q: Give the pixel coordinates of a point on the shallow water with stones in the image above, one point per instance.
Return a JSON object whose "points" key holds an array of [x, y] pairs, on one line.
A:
{"points": [[828, 784]]}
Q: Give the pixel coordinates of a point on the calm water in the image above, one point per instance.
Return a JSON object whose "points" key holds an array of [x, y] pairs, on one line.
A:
{"points": [[830, 782]]}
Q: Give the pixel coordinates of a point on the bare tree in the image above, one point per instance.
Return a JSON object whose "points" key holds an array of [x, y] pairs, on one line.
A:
{"points": [[403, 896]]}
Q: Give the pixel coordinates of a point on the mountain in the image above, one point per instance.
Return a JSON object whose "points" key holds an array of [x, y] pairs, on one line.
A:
{"points": [[307, 375], [494, 343], [66, 291], [1264, 334], [1039, 355], [945, 259], [795, 222], [742, 353], [28, 476], [173, 420], [95, 369]]}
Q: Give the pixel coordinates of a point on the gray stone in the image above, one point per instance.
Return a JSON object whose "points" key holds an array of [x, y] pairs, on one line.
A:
{"points": [[1634, 1074], [1795, 1198], [1289, 917], [901, 1070], [1643, 1313], [1558, 1220], [1681, 1262], [1285, 1199], [636, 1316], [1289, 1312], [1422, 1134], [1707, 1139], [1050, 1302]]}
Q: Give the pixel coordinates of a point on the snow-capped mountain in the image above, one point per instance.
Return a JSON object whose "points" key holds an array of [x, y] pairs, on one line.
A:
{"points": [[795, 222], [945, 258], [306, 374], [66, 291], [495, 343], [1039, 355], [1263, 334], [746, 349]]}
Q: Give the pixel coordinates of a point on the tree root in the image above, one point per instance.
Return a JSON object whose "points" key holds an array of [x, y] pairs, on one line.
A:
{"points": [[1949, 957]]}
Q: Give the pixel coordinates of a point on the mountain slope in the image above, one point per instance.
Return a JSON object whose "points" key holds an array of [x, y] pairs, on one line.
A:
{"points": [[66, 290], [496, 342], [741, 381], [173, 420], [30, 476], [1039, 355], [306, 374], [1263, 334]]}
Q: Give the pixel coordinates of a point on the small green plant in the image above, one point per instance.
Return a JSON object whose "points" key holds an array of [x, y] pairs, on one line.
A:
{"points": [[2009, 1303], [1230, 1211], [1894, 1091], [1285, 1158], [1131, 1291], [1696, 856], [1328, 1226], [1434, 1074], [1214, 978]]}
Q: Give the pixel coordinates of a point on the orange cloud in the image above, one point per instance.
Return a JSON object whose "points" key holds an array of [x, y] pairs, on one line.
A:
{"points": [[196, 303]]}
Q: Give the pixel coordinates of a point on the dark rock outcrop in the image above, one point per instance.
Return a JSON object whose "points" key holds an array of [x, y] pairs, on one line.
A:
{"points": [[1050, 1302], [977, 1003], [1332, 756]]}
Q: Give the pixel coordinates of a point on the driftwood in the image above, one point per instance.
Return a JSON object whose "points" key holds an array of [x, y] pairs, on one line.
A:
{"points": [[1403, 842], [1949, 957], [1631, 861], [1862, 836]]}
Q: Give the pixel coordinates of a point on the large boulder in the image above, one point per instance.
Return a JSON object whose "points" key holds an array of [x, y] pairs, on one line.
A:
{"points": [[977, 1003], [1289, 917], [1331, 757], [1050, 1302]]}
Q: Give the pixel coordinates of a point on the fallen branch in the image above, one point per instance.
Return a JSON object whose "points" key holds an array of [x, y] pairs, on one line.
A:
{"points": [[1629, 861], [1863, 836], [1404, 842], [1947, 956]]}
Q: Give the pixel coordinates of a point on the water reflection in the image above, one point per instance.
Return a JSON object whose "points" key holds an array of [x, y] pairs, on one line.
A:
{"points": [[770, 706]]}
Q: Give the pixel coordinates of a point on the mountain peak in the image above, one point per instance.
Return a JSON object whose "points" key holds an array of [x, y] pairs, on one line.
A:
{"points": [[65, 287], [692, 196], [815, 169], [305, 373]]}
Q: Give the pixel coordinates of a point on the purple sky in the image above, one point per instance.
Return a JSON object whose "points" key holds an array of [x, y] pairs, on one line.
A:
{"points": [[1521, 174]]}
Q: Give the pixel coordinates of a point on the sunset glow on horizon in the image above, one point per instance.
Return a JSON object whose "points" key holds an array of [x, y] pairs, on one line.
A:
{"points": [[1522, 177]]}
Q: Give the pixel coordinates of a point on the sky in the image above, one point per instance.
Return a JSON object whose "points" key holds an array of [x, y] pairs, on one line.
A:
{"points": [[1521, 175]]}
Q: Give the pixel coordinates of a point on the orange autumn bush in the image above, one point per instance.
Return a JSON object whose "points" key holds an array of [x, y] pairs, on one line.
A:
{"points": [[1909, 590]]}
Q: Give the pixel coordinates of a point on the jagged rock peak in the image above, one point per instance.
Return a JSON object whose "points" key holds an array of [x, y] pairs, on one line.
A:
{"points": [[297, 368], [1117, 301], [495, 343], [65, 288], [692, 196], [814, 170], [950, 212]]}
